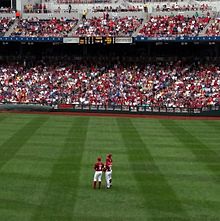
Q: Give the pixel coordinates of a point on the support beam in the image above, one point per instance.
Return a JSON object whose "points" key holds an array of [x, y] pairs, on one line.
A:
{"points": [[19, 6]]}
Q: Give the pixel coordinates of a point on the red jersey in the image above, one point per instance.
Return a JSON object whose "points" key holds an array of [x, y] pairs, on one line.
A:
{"points": [[108, 167], [108, 164], [98, 166]]}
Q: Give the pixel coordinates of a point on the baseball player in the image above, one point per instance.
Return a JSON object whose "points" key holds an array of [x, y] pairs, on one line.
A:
{"points": [[108, 172], [98, 167]]}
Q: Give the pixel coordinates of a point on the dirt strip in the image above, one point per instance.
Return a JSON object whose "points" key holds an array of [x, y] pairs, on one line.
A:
{"points": [[118, 115]]}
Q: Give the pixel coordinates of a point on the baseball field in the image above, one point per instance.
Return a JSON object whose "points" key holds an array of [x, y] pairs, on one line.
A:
{"points": [[163, 169]]}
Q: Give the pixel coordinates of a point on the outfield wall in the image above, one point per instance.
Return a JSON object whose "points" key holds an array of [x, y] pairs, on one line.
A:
{"points": [[120, 109], [143, 110], [24, 107]]}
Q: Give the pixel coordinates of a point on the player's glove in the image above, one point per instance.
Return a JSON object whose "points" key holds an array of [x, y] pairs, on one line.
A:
{"points": [[104, 169]]}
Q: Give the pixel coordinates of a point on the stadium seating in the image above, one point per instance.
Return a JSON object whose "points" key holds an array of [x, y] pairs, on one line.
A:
{"points": [[178, 25], [35, 27], [103, 26], [63, 18], [5, 24], [185, 7], [164, 84], [169, 84], [116, 9], [214, 28], [82, 1]]}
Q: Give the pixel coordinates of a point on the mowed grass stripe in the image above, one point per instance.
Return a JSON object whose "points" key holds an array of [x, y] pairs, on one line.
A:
{"points": [[190, 179], [23, 181], [60, 196], [213, 131], [9, 126], [160, 198], [10, 147], [207, 132], [201, 151], [119, 203], [2, 117], [213, 124]]}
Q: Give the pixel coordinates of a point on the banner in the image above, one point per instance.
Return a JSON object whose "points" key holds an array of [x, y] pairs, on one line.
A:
{"points": [[178, 39], [123, 40], [71, 40], [32, 39]]}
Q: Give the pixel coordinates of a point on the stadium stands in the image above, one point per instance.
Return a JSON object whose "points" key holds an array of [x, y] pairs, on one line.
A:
{"points": [[214, 28], [82, 1], [104, 26], [185, 7], [116, 9], [163, 84], [5, 24], [178, 25], [63, 18], [43, 28]]}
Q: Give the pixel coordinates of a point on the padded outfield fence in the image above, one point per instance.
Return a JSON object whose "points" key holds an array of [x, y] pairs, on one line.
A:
{"points": [[117, 109]]}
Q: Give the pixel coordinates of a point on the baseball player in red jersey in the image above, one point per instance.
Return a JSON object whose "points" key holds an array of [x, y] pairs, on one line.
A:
{"points": [[98, 167], [108, 172]]}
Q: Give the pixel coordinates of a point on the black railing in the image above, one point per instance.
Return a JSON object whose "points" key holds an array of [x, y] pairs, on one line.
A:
{"points": [[137, 109]]}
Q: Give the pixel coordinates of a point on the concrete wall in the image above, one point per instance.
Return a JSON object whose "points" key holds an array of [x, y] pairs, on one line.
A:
{"points": [[51, 15], [112, 14]]}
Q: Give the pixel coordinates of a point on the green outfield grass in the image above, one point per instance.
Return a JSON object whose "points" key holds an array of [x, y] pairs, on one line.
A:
{"points": [[164, 170]]}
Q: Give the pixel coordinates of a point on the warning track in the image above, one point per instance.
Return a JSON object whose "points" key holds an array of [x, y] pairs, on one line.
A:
{"points": [[118, 115]]}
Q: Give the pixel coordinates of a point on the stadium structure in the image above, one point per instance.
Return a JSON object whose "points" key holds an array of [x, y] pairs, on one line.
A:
{"points": [[136, 56], [137, 80]]}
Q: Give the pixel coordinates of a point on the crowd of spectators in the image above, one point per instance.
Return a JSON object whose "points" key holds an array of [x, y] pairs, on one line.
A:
{"points": [[155, 26], [69, 9], [177, 7], [35, 8], [117, 9], [137, 1], [179, 25], [35, 27], [214, 28], [5, 24], [195, 87], [105, 26], [161, 84], [82, 1], [153, 1]]}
